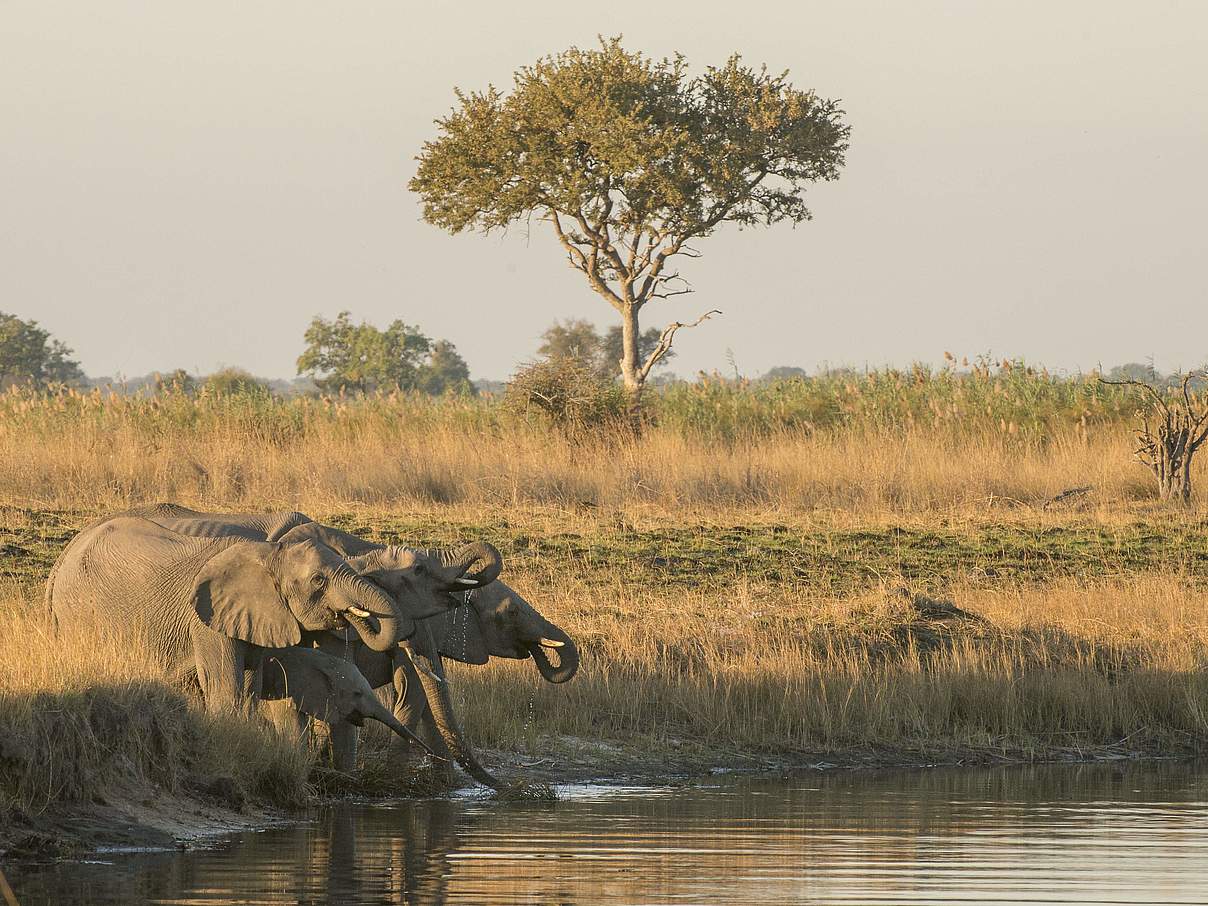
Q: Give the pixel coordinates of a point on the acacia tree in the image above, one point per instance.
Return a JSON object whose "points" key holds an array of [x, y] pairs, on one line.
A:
{"points": [[630, 160]]}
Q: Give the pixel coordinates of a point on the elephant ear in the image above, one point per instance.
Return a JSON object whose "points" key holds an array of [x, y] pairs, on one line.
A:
{"points": [[235, 594], [457, 635]]}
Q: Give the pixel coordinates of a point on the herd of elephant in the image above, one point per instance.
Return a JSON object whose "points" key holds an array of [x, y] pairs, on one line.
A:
{"points": [[277, 607]]}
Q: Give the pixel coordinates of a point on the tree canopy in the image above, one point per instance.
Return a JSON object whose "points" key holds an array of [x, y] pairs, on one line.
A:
{"points": [[630, 160], [445, 371], [28, 354], [360, 358]]}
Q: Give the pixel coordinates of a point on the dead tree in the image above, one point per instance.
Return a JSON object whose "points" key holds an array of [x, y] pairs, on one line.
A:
{"points": [[1171, 432]]}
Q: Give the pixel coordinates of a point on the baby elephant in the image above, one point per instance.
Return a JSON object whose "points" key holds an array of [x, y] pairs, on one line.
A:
{"points": [[329, 689]]}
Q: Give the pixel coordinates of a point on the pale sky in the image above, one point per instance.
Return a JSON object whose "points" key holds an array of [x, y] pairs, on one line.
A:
{"points": [[187, 184]]}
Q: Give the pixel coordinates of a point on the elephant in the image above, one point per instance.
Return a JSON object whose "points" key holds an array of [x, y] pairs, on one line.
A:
{"points": [[327, 688], [212, 604], [494, 622]]}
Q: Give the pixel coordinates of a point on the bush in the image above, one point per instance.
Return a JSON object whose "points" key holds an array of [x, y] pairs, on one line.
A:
{"points": [[235, 382], [569, 396]]}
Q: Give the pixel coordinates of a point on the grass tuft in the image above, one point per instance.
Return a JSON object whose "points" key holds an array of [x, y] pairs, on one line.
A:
{"points": [[86, 719]]}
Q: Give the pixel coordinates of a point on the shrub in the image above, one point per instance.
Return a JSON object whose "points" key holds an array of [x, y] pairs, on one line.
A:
{"points": [[568, 395]]}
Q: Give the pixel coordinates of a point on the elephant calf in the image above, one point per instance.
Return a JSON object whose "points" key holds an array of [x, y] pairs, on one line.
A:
{"points": [[327, 688]]}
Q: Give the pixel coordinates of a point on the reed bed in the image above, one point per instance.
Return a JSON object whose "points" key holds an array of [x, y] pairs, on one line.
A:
{"points": [[1024, 671], [881, 442]]}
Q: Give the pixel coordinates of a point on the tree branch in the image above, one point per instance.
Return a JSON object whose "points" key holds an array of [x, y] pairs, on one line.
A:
{"points": [[1157, 397], [580, 261], [664, 344]]}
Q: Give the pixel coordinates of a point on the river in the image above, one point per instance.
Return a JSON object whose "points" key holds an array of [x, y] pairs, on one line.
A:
{"points": [[1102, 833]]}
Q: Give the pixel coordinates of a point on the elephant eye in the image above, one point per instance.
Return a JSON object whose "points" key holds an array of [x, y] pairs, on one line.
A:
{"points": [[318, 580]]}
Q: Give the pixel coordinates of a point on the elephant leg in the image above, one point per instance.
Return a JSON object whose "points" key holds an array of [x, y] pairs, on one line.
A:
{"points": [[253, 679], [408, 701], [220, 662], [412, 711], [343, 746]]}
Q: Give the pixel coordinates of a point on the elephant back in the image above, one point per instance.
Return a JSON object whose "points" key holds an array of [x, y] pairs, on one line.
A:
{"points": [[196, 523], [127, 573]]}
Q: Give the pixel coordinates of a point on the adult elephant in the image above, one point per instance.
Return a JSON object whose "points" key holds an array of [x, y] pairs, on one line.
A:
{"points": [[496, 622], [214, 604]]}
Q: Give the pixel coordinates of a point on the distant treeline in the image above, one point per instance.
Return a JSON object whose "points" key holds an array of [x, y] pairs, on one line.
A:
{"points": [[345, 361]]}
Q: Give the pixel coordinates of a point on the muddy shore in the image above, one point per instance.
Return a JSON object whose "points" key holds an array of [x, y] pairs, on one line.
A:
{"points": [[147, 819]]}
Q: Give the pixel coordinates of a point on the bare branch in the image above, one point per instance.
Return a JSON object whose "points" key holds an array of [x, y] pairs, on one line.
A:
{"points": [[664, 344], [1144, 386], [661, 290], [588, 265], [656, 267], [1166, 447]]}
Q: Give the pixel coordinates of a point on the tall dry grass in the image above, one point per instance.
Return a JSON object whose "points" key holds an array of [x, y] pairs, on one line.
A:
{"points": [[98, 451], [1065, 667], [86, 716]]}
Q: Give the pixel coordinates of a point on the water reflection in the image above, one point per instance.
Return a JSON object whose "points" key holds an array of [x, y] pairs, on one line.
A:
{"points": [[1135, 834]]}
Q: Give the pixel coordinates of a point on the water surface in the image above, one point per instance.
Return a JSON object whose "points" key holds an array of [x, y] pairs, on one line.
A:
{"points": [[1121, 833]]}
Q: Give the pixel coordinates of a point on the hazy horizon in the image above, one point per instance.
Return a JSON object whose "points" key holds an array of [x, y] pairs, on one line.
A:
{"points": [[187, 186]]}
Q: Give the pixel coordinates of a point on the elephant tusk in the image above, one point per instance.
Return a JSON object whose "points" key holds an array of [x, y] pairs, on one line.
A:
{"points": [[465, 581], [357, 612], [550, 643], [426, 670]]}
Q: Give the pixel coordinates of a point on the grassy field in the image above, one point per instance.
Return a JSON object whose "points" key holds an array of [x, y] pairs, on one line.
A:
{"points": [[867, 585], [883, 442]]}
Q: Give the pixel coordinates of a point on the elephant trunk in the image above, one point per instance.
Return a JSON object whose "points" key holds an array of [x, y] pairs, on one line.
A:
{"points": [[397, 726], [472, 565], [568, 655], [372, 613], [437, 691]]}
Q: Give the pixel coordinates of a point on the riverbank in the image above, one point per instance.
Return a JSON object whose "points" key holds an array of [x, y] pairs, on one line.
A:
{"points": [[160, 822], [718, 640]]}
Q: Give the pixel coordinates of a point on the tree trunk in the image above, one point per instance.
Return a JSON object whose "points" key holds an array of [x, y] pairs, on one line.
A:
{"points": [[631, 365], [1171, 464]]}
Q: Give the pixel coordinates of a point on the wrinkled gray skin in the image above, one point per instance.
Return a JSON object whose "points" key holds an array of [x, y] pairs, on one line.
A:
{"points": [[214, 604], [401, 572], [497, 623], [328, 688]]}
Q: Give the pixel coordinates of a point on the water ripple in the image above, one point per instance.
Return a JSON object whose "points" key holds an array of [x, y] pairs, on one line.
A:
{"points": [[1083, 834]]}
